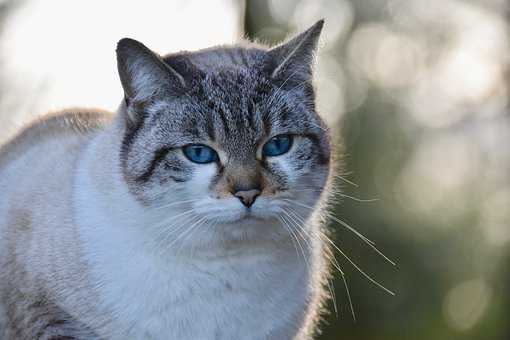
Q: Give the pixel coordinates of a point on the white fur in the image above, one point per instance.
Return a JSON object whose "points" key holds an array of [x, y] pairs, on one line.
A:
{"points": [[233, 278]]}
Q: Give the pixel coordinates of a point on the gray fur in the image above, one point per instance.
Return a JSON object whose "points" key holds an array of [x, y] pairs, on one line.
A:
{"points": [[235, 103], [234, 98], [35, 260]]}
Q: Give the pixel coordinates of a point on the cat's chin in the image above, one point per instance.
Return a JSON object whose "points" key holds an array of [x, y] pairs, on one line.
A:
{"points": [[245, 216]]}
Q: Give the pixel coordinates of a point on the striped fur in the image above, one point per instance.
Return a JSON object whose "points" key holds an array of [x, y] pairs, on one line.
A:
{"points": [[107, 230]]}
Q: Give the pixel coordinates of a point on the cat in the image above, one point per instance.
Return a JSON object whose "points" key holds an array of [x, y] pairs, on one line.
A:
{"points": [[194, 212]]}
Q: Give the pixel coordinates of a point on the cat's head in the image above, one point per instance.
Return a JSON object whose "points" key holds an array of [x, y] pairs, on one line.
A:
{"points": [[224, 135]]}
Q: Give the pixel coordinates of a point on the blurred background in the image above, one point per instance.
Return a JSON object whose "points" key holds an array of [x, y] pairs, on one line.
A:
{"points": [[418, 91]]}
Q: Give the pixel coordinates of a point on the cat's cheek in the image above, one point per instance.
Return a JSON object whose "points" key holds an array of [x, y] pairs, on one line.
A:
{"points": [[296, 162], [282, 173], [201, 179], [286, 167]]}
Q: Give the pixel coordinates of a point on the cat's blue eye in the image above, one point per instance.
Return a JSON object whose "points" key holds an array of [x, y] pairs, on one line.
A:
{"points": [[277, 146], [198, 153]]}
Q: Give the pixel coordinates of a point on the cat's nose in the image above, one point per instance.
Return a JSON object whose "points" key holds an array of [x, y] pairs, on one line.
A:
{"points": [[247, 197]]}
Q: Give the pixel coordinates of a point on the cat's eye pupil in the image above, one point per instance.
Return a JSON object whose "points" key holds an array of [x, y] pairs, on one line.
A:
{"points": [[277, 146], [200, 153]]}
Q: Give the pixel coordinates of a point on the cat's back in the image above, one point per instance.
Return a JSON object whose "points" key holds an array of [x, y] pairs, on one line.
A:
{"points": [[35, 165], [36, 178], [61, 126]]}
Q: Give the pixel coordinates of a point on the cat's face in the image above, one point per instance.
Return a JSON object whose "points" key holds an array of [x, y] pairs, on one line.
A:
{"points": [[224, 135]]}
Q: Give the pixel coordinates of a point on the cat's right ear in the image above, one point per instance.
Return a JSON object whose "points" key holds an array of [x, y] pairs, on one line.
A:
{"points": [[292, 62], [144, 74]]}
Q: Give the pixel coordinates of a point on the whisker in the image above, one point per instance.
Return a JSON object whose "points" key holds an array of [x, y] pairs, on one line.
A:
{"points": [[356, 266], [353, 263], [347, 291], [169, 230], [369, 242], [174, 204], [331, 288], [346, 180], [362, 200], [300, 247], [174, 218], [190, 233], [349, 296], [181, 235], [290, 234], [357, 233], [170, 223], [301, 230]]}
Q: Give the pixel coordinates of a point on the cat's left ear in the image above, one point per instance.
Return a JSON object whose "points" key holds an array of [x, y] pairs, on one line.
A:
{"points": [[142, 72], [144, 75], [292, 61]]}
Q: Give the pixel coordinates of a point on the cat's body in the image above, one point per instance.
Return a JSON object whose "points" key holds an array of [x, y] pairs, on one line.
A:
{"points": [[102, 238]]}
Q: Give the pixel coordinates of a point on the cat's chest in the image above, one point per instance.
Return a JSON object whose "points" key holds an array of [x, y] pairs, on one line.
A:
{"points": [[239, 298]]}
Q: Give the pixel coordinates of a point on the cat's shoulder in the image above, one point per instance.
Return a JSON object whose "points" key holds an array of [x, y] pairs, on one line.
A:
{"points": [[54, 125]]}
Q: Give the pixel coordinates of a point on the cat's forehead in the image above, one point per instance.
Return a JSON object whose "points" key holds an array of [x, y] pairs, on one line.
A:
{"points": [[234, 86], [232, 106], [235, 108], [234, 103]]}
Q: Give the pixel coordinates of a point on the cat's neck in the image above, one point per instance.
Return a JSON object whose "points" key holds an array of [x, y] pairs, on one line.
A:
{"points": [[101, 198]]}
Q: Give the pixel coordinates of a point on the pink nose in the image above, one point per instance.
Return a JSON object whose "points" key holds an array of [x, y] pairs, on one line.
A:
{"points": [[247, 197]]}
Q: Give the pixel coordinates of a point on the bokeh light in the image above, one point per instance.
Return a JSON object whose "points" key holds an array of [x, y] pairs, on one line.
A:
{"points": [[417, 90], [466, 303]]}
